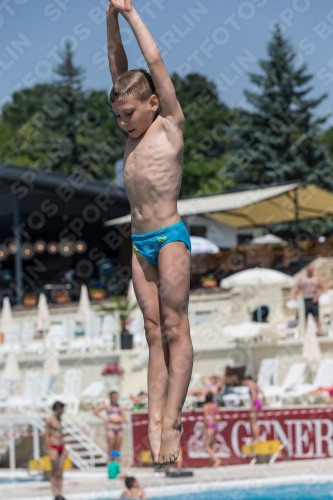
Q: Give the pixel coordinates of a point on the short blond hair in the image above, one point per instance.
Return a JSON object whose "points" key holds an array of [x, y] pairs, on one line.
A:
{"points": [[136, 82]]}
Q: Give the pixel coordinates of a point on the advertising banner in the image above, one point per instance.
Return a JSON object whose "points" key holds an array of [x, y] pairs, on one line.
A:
{"points": [[306, 433]]}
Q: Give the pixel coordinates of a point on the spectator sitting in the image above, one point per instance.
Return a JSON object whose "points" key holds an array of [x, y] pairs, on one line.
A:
{"points": [[139, 400], [133, 489], [213, 385], [114, 470]]}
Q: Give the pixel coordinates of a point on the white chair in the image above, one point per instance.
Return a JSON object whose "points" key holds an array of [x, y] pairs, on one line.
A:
{"points": [[323, 378], [29, 345], [92, 334], [268, 372], [109, 330], [71, 389], [295, 376], [30, 392], [12, 339], [76, 343], [58, 336], [137, 329], [92, 395]]}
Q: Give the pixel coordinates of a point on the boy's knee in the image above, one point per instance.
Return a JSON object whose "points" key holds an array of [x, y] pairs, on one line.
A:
{"points": [[171, 327], [155, 421], [152, 330]]}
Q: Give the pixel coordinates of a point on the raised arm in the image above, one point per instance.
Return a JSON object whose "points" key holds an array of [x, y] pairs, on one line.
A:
{"points": [[161, 79], [116, 54]]}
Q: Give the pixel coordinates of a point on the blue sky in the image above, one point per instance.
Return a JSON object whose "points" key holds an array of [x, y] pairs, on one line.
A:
{"points": [[222, 39]]}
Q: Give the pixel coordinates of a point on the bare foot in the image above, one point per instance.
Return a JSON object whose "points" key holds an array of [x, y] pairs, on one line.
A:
{"points": [[217, 463], [170, 443], [154, 435]]}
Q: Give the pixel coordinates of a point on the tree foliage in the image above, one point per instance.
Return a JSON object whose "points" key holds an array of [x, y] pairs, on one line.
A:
{"points": [[279, 141], [207, 122], [61, 127]]}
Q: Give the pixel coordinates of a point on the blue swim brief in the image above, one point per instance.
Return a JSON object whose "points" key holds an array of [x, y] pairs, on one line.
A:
{"points": [[149, 244]]}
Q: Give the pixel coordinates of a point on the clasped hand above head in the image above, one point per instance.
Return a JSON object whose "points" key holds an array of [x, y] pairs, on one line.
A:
{"points": [[122, 5]]}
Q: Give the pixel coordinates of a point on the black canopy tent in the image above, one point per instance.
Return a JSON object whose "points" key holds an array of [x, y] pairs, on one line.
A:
{"points": [[51, 206]]}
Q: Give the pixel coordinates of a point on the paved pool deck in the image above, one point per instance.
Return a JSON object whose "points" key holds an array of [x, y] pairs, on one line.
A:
{"points": [[94, 485]]}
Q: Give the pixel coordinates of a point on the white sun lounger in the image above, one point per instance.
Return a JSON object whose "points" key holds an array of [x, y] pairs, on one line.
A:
{"points": [[71, 390], [323, 378], [294, 378]]}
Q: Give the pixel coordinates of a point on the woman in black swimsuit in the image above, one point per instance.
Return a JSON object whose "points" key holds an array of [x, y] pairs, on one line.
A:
{"points": [[113, 421]]}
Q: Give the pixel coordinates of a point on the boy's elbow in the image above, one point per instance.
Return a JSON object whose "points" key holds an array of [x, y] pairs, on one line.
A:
{"points": [[154, 57]]}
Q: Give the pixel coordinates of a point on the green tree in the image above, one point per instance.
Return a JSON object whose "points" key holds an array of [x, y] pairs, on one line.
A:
{"points": [[207, 122], [61, 127], [280, 140]]}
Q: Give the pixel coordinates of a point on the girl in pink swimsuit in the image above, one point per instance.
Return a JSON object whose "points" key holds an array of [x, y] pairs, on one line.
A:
{"points": [[210, 417], [113, 421], [256, 406]]}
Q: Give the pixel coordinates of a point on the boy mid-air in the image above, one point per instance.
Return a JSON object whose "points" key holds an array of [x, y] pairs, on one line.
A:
{"points": [[147, 109]]}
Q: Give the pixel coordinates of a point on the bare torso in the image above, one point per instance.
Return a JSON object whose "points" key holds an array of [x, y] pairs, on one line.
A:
{"points": [[54, 431], [153, 166], [114, 418]]}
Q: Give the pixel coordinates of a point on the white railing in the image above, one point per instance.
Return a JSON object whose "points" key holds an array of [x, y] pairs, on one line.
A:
{"points": [[76, 429]]}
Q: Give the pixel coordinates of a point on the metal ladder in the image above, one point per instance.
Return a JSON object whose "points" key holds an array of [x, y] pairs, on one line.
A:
{"points": [[79, 441]]}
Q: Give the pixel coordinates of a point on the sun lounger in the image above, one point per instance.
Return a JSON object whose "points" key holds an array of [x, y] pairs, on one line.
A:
{"points": [[268, 372], [295, 377], [71, 390], [93, 395], [30, 392], [29, 345], [12, 339], [323, 378]]}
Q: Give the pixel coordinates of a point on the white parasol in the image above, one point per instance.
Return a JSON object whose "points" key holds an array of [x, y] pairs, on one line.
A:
{"points": [[201, 245], [311, 348], [11, 370], [84, 310], [250, 330], [268, 239], [51, 368], [326, 300], [43, 314], [258, 276], [6, 314], [51, 364]]}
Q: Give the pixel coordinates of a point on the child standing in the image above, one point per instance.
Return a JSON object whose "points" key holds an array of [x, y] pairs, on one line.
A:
{"points": [[114, 470], [210, 418], [146, 107]]}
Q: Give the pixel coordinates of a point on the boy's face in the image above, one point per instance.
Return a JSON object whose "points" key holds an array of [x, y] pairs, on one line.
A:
{"points": [[134, 116], [58, 412]]}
